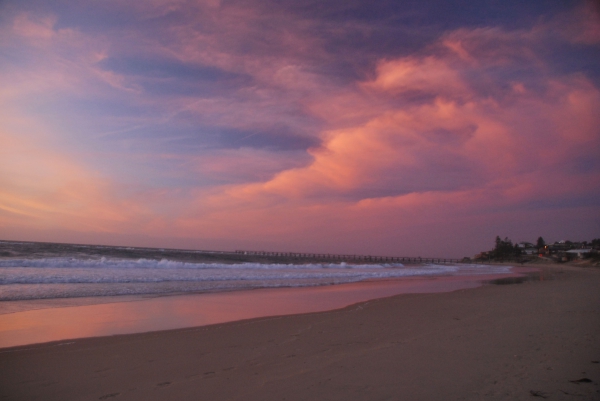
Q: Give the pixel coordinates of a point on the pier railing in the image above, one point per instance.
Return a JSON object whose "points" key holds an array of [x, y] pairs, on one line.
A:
{"points": [[348, 258]]}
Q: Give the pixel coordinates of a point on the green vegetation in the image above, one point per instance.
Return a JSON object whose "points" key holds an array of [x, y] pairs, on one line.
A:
{"points": [[505, 249]]}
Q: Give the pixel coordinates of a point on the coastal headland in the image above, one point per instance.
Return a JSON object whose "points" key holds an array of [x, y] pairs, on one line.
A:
{"points": [[535, 339]]}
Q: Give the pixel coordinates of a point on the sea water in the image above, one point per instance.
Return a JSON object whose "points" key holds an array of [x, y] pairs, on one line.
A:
{"points": [[30, 271], [51, 292]]}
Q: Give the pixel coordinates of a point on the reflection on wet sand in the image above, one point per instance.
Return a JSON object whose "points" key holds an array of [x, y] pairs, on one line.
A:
{"points": [[180, 311]]}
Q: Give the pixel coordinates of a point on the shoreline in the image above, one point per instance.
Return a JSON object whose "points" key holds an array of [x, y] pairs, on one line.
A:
{"points": [[538, 338], [72, 318], [23, 305], [28, 286]]}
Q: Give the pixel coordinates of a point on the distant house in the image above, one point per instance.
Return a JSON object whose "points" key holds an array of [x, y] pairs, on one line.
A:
{"points": [[577, 253], [482, 256], [546, 250]]}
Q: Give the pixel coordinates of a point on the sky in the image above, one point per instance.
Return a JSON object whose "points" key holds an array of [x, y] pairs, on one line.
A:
{"points": [[398, 128]]}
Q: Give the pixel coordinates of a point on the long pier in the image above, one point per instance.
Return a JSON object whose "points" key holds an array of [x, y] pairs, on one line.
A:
{"points": [[23, 248], [347, 258]]}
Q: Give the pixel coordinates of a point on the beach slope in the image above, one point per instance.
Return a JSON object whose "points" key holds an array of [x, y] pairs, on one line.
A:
{"points": [[534, 340]]}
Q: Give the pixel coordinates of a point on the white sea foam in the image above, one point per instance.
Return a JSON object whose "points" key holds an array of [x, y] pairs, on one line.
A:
{"points": [[171, 264], [73, 277]]}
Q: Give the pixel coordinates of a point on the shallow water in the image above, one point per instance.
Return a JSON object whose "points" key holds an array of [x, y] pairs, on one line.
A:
{"points": [[182, 311], [31, 271], [51, 292]]}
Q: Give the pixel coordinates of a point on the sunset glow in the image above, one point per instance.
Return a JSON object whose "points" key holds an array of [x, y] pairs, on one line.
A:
{"points": [[328, 127]]}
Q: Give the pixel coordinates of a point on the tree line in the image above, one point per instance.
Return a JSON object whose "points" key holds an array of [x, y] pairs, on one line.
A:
{"points": [[505, 249]]}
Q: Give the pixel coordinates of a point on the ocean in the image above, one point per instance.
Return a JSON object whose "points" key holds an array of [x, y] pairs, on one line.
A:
{"points": [[30, 271]]}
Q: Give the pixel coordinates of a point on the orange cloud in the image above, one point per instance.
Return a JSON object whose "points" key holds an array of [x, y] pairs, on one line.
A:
{"points": [[42, 188], [427, 74]]}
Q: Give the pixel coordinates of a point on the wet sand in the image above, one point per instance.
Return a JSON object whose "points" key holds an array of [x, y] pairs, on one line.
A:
{"points": [[520, 341], [39, 321]]}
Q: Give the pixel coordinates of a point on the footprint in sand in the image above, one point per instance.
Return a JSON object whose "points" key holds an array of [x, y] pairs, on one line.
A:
{"points": [[163, 384], [584, 380], [106, 396]]}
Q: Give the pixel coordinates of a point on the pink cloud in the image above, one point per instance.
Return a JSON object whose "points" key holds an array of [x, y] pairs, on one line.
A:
{"points": [[42, 28], [514, 150], [42, 188], [429, 74], [433, 141]]}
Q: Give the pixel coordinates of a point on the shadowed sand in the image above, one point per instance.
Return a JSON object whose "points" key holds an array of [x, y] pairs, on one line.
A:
{"points": [[521, 341]]}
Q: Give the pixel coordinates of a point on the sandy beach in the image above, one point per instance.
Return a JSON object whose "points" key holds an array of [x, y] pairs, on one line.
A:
{"points": [[537, 339]]}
